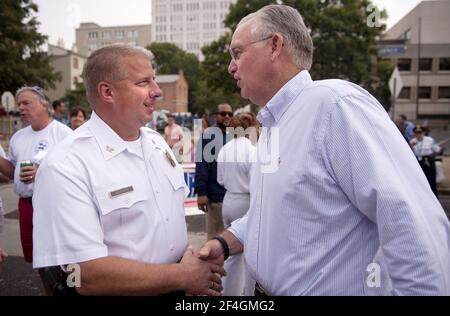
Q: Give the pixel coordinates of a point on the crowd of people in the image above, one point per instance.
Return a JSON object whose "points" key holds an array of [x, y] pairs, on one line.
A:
{"points": [[319, 200]]}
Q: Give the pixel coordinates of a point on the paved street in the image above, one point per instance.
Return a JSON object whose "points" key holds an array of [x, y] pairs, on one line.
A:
{"points": [[18, 278]]}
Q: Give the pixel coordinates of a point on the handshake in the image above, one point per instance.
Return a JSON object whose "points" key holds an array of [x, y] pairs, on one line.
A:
{"points": [[203, 269]]}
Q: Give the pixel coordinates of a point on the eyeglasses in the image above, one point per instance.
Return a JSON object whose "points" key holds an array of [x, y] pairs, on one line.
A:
{"points": [[236, 52], [223, 113]]}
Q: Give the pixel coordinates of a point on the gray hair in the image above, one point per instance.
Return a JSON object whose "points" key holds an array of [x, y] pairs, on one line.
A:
{"points": [[278, 18], [39, 92], [105, 65]]}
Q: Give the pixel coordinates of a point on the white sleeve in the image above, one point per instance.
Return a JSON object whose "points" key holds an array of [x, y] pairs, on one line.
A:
{"points": [[11, 151], [67, 227], [221, 167], [239, 227], [373, 165]]}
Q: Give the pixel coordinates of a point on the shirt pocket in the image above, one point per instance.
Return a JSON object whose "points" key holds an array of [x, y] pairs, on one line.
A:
{"points": [[121, 215]]}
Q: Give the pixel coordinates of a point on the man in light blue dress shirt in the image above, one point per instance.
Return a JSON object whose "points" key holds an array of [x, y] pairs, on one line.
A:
{"points": [[345, 209]]}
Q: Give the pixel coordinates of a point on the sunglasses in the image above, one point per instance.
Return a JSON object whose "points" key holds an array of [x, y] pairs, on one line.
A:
{"points": [[36, 89], [223, 113]]}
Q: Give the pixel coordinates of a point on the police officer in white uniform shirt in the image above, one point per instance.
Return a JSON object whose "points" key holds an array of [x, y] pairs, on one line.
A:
{"points": [[110, 198]]}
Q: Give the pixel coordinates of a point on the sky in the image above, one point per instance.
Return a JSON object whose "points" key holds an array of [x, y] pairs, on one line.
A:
{"points": [[60, 18]]}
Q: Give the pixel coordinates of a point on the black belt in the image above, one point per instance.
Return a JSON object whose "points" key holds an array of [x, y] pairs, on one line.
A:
{"points": [[259, 291], [27, 199]]}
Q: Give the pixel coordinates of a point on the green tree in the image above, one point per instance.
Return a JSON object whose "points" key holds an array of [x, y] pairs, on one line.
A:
{"points": [[170, 60], [77, 97], [217, 85], [344, 42], [23, 62]]}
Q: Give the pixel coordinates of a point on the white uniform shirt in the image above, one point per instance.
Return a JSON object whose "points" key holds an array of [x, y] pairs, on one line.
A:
{"points": [[426, 147], [233, 164], [98, 196], [27, 144], [348, 211]]}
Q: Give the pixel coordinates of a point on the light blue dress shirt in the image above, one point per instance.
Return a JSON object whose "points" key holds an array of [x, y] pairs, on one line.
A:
{"points": [[347, 210]]}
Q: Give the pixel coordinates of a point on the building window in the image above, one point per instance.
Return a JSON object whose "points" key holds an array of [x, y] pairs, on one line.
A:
{"points": [[444, 64], [120, 34], [93, 35], [106, 35], [424, 92], [404, 64], [426, 64], [405, 93], [75, 63], [407, 35], [444, 93]]}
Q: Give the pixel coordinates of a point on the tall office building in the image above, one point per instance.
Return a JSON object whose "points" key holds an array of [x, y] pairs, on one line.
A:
{"points": [[91, 36], [419, 45], [189, 24]]}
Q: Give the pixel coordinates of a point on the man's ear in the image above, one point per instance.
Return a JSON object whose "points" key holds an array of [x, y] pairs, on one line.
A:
{"points": [[105, 91], [277, 45]]}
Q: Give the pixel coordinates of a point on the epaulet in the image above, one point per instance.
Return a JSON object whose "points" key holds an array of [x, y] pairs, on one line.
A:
{"points": [[150, 131]]}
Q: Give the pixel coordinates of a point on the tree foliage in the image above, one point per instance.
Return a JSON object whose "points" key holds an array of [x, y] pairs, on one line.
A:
{"points": [[23, 62], [77, 97], [344, 44], [170, 60]]}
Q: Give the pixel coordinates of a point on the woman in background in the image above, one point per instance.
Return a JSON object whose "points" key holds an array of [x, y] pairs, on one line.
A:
{"points": [[233, 172], [77, 117]]}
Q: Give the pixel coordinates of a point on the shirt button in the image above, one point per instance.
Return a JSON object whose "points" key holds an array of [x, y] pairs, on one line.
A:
{"points": [[255, 236], [167, 219], [157, 191], [171, 248]]}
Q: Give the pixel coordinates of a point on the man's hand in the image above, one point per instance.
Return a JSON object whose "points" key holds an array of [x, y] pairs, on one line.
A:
{"points": [[212, 252], [3, 255], [202, 202], [201, 277], [27, 174]]}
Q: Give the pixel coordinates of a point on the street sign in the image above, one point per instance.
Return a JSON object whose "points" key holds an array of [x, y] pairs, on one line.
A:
{"points": [[391, 51], [395, 83], [8, 101]]}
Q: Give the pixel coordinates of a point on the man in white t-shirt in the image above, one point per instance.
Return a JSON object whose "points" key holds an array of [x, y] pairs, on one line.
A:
{"points": [[31, 144]]}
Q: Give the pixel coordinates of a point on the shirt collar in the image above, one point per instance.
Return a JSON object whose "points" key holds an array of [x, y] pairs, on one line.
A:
{"points": [[110, 143], [282, 100]]}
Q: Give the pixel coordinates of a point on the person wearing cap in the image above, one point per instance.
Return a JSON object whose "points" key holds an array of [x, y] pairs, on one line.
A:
{"points": [[425, 149], [338, 202], [115, 208], [32, 144]]}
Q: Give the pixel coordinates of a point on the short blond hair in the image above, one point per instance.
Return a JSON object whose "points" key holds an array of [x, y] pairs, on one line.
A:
{"points": [[105, 64]]}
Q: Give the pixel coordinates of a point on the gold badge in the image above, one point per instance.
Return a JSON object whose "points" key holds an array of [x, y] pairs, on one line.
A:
{"points": [[122, 191], [169, 157]]}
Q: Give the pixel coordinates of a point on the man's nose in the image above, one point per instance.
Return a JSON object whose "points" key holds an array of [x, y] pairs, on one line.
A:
{"points": [[155, 93], [232, 67]]}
